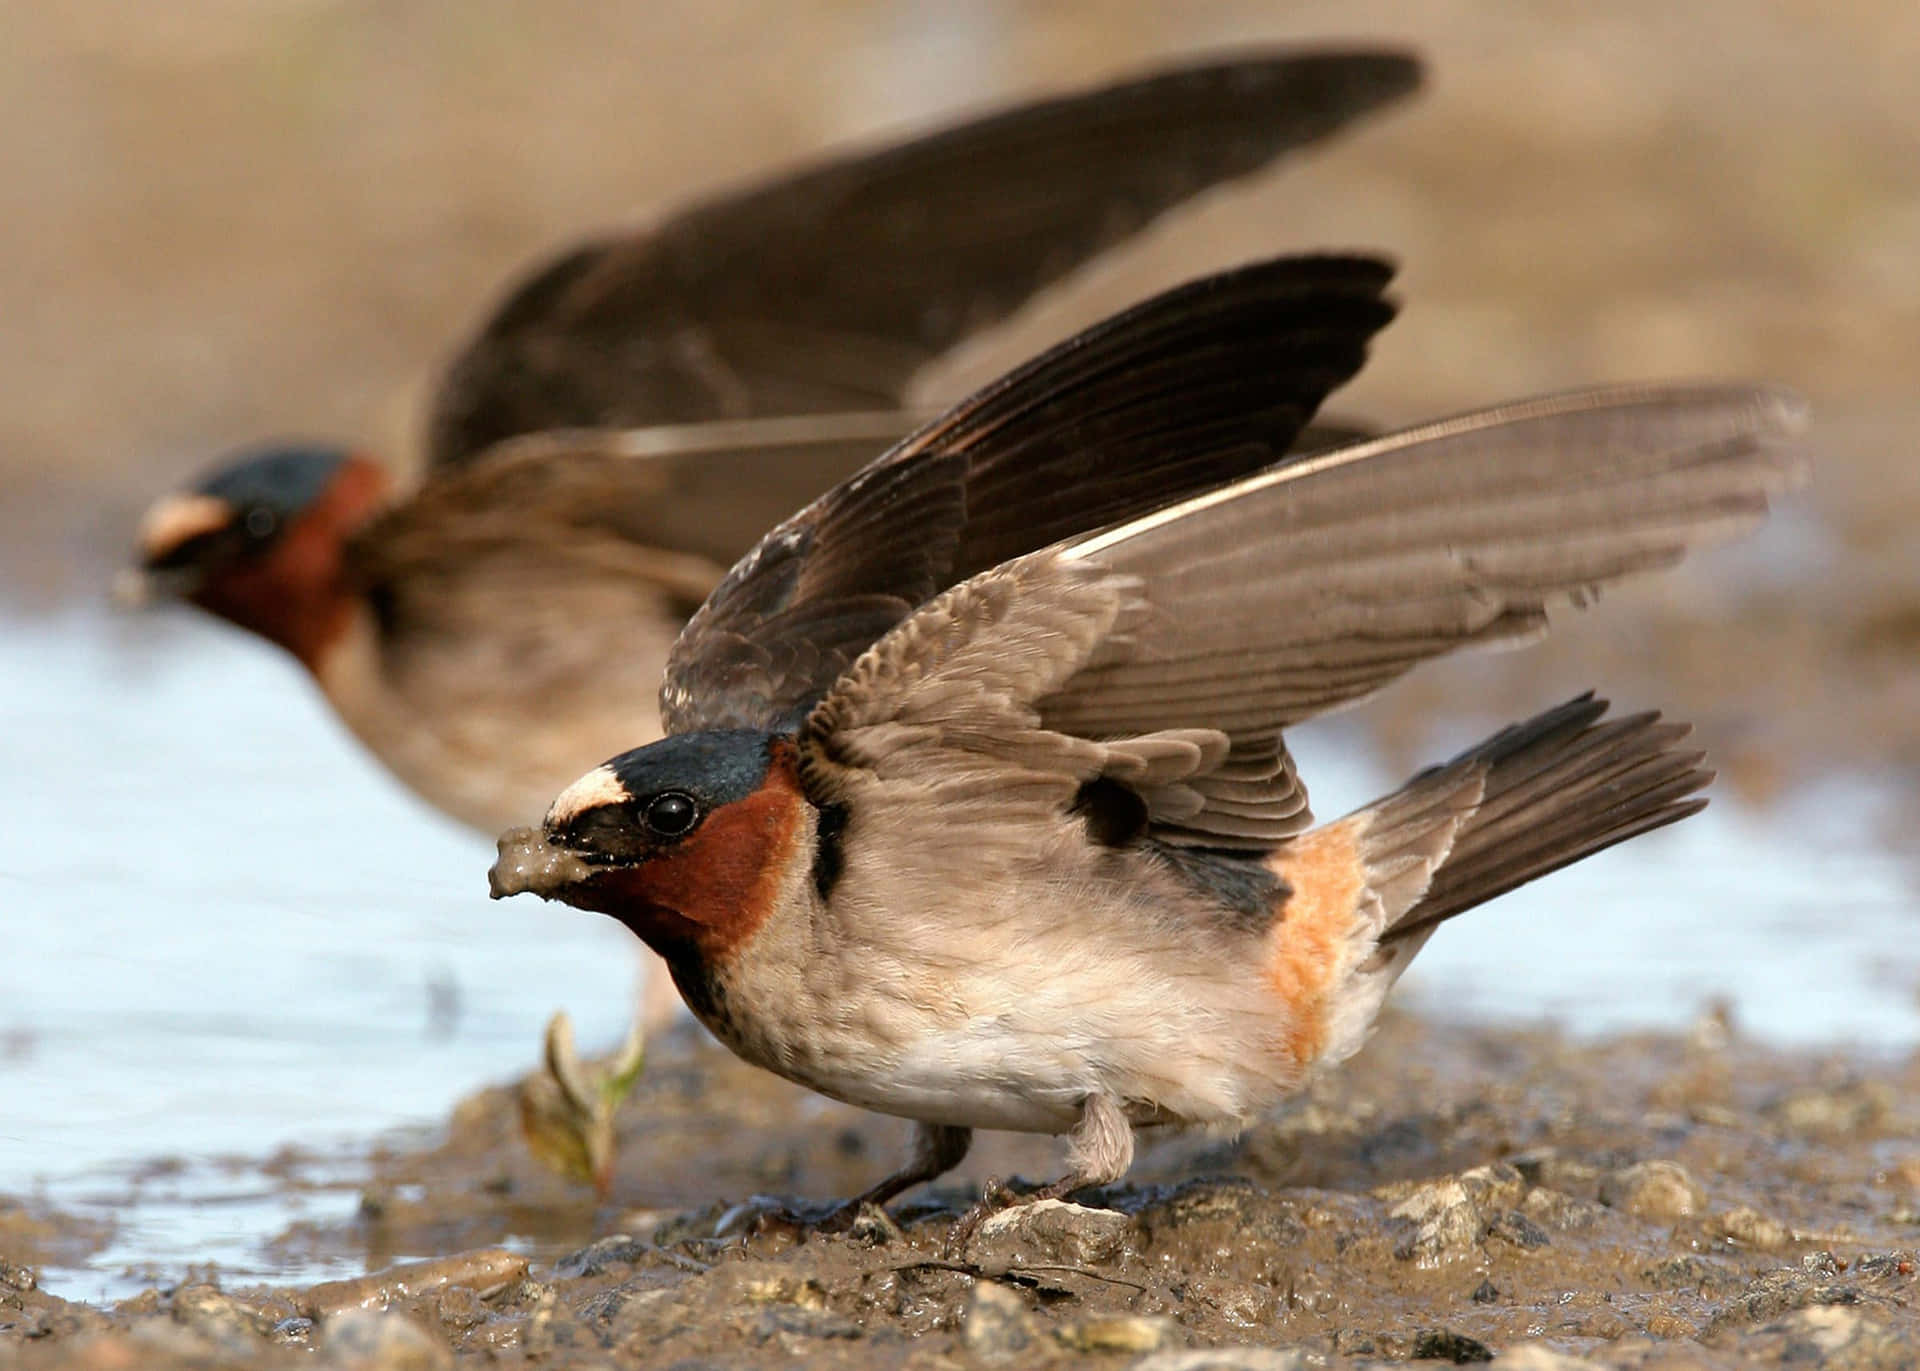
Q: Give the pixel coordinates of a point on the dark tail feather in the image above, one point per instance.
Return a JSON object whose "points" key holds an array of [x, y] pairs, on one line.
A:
{"points": [[1558, 787]]}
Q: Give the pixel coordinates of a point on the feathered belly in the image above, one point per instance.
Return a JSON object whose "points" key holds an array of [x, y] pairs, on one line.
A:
{"points": [[1014, 1052], [972, 1078], [971, 1006], [894, 1058]]}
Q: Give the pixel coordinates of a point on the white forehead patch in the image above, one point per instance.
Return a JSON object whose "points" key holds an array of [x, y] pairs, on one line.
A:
{"points": [[597, 788], [179, 517]]}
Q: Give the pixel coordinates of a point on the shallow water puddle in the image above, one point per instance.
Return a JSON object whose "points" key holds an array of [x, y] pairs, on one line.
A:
{"points": [[225, 931], [201, 1216]]}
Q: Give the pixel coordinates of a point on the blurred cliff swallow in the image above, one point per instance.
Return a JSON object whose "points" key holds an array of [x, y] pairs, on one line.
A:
{"points": [[970, 816], [644, 406]]}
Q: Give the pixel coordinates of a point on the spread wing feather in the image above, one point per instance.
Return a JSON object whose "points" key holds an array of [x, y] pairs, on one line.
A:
{"points": [[1204, 384], [1240, 611], [828, 289]]}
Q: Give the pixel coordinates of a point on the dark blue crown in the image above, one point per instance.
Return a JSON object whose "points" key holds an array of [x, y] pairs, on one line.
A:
{"points": [[284, 478], [716, 767]]}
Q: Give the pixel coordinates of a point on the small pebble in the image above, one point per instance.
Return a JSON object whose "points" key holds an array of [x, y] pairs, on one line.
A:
{"points": [[1658, 1190], [1052, 1231], [1513, 1227], [1560, 1212], [597, 1257], [17, 1277], [1122, 1334], [237, 1328], [1439, 1223], [1839, 1112], [998, 1326], [1443, 1344], [1751, 1228], [1533, 1356], [785, 1288], [1498, 1186], [363, 1340], [1837, 1338], [1669, 1327], [295, 1331]]}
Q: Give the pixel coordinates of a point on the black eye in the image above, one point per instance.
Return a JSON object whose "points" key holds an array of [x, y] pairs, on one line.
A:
{"points": [[671, 814], [260, 523]]}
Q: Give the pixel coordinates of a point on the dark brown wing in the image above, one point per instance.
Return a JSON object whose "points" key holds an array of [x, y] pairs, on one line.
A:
{"points": [[1196, 387], [828, 289]]}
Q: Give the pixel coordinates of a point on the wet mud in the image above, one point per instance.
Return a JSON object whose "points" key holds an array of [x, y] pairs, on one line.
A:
{"points": [[1456, 1195]]}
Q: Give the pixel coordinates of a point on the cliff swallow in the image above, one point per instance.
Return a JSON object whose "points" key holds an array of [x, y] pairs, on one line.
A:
{"points": [[974, 818], [644, 406]]}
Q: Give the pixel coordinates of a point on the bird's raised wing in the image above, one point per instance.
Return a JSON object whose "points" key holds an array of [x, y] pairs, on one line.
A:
{"points": [[1168, 653], [827, 289], [1196, 387]]}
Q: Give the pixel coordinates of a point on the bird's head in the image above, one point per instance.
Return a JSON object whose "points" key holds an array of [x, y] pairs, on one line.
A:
{"points": [[692, 842], [259, 541]]}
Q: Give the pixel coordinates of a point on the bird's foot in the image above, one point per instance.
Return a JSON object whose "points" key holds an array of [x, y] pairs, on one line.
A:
{"points": [[994, 1197], [858, 1218]]}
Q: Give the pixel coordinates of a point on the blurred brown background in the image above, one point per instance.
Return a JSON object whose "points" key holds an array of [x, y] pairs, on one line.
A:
{"points": [[229, 219]]}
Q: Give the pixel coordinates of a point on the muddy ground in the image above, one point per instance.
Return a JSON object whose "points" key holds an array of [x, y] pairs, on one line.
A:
{"points": [[1455, 1195]]}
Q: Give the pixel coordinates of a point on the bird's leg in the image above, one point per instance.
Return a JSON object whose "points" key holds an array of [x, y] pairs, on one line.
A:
{"points": [[1100, 1151], [937, 1149]]}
